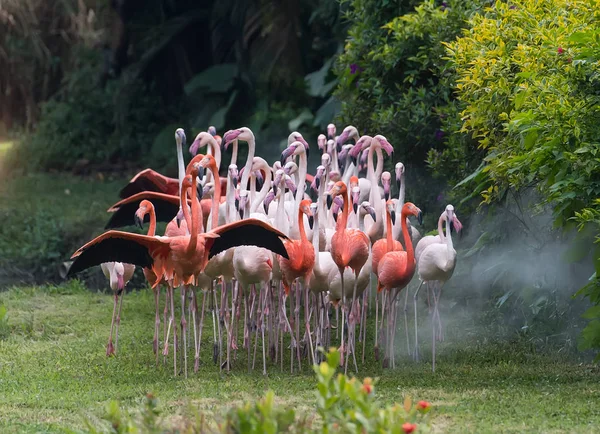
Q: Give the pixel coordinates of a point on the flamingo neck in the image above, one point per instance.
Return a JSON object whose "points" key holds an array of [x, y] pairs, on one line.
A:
{"points": [[399, 205], [388, 236], [302, 179], [180, 165], [342, 222], [449, 238], [407, 240], [315, 238], [280, 217], [186, 209], [440, 228], [229, 200], [264, 190], [303, 237], [196, 217], [152, 228], [217, 196], [248, 166]]}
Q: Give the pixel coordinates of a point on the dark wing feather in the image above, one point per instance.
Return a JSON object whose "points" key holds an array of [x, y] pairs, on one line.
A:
{"points": [[112, 248], [249, 232], [143, 181], [165, 206]]}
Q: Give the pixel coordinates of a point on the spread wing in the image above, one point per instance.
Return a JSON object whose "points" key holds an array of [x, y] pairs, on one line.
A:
{"points": [[166, 207], [149, 180], [248, 232], [120, 246]]}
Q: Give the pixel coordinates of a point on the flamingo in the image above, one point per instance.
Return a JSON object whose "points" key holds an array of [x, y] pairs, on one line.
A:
{"points": [[118, 275], [297, 148], [349, 248], [396, 268], [302, 260], [436, 262], [181, 258], [415, 235]]}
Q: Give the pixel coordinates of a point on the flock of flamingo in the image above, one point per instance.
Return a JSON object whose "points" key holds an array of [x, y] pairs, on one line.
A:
{"points": [[266, 245]]}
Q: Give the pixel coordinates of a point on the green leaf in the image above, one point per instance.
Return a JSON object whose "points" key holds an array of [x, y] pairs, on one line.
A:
{"points": [[316, 80], [216, 79], [472, 176], [304, 116]]}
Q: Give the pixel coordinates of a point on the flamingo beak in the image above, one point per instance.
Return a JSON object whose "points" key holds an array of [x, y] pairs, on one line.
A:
{"points": [[451, 224], [329, 200], [335, 216], [386, 191], [398, 182], [393, 216], [138, 221], [311, 221], [259, 181], [194, 147], [200, 191], [285, 154], [120, 282], [420, 217], [230, 136], [341, 139], [200, 171], [317, 182], [355, 207], [372, 213], [234, 181]]}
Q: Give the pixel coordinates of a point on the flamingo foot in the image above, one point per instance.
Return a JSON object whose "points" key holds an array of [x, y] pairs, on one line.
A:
{"points": [[110, 349]]}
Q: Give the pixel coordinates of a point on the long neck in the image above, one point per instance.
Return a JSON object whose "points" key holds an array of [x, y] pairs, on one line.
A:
{"points": [[342, 222], [196, 217], [388, 236], [234, 152], [379, 167], [216, 151], [262, 194], [248, 167], [180, 165], [440, 228], [335, 165], [303, 237], [302, 179], [280, 217], [217, 196], [186, 209], [315, 238], [399, 206], [152, 228], [407, 241], [449, 237], [371, 174]]}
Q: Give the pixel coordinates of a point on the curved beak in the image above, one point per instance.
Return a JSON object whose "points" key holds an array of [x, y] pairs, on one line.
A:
{"points": [[285, 154], [138, 221], [289, 183], [341, 139], [259, 180], [355, 207], [230, 136], [386, 190], [200, 171], [398, 182], [306, 145], [335, 216], [329, 200], [393, 216], [420, 217], [194, 147], [451, 225], [200, 190], [311, 221], [234, 181], [372, 213], [317, 182]]}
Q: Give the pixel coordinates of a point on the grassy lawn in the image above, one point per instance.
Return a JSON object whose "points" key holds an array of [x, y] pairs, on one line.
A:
{"points": [[54, 373]]}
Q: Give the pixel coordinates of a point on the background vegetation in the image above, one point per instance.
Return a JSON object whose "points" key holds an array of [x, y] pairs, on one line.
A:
{"points": [[492, 106]]}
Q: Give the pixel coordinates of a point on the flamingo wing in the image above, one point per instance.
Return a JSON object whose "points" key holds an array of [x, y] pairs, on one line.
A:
{"points": [[150, 180], [166, 207], [248, 232], [126, 247]]}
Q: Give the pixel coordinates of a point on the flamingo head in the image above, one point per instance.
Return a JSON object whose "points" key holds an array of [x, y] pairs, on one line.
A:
{"points": [[450, 216], [297, 137], [180, 137], [268, 199], [385, 145], [144, 208], [314, 208], [368, 208], [331, 146], [322, 142], [339, 188], [290, 168], [243, 133], [232, 173], [348, 132], [331, 131], [212, 131], [338, 203], [386, 181], [363, 159], [317, 178], [326, 160], [208, 189], [243, 202], [290, 184], [363, 143], [305, 209], [410, 208], [260, 179], [399, 173], [193, 167], [179, 217], [390, 207], [355, 196], [335, 176], [201, 140], [296, 148], [279, 174], [207, 162]]}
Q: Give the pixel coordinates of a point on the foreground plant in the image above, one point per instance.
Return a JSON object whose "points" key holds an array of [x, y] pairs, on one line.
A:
{"points": [[343, 404]]}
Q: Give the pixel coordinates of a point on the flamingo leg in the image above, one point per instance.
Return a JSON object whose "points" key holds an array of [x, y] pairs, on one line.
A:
{"points": [[156, 323], [259, 313], [292, 335], [165, 325], [172, 322], [110, 350], [297, 323], [416, 323], [246, 319], [406, 320], [376, 349], [184, 328], [307, 316], [262, 325], [118, 321], [343, 360]]}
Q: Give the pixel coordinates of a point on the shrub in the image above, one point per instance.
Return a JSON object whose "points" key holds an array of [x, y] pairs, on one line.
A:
{"points": [[344, 405], [529, 82]]}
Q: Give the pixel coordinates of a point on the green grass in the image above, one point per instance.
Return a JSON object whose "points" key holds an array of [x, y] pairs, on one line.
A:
{"points": [[54, 373]]}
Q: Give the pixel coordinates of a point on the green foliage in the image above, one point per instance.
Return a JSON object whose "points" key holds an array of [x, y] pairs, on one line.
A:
{"points": [[528, 76], [393, 76], [344, 405]]}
